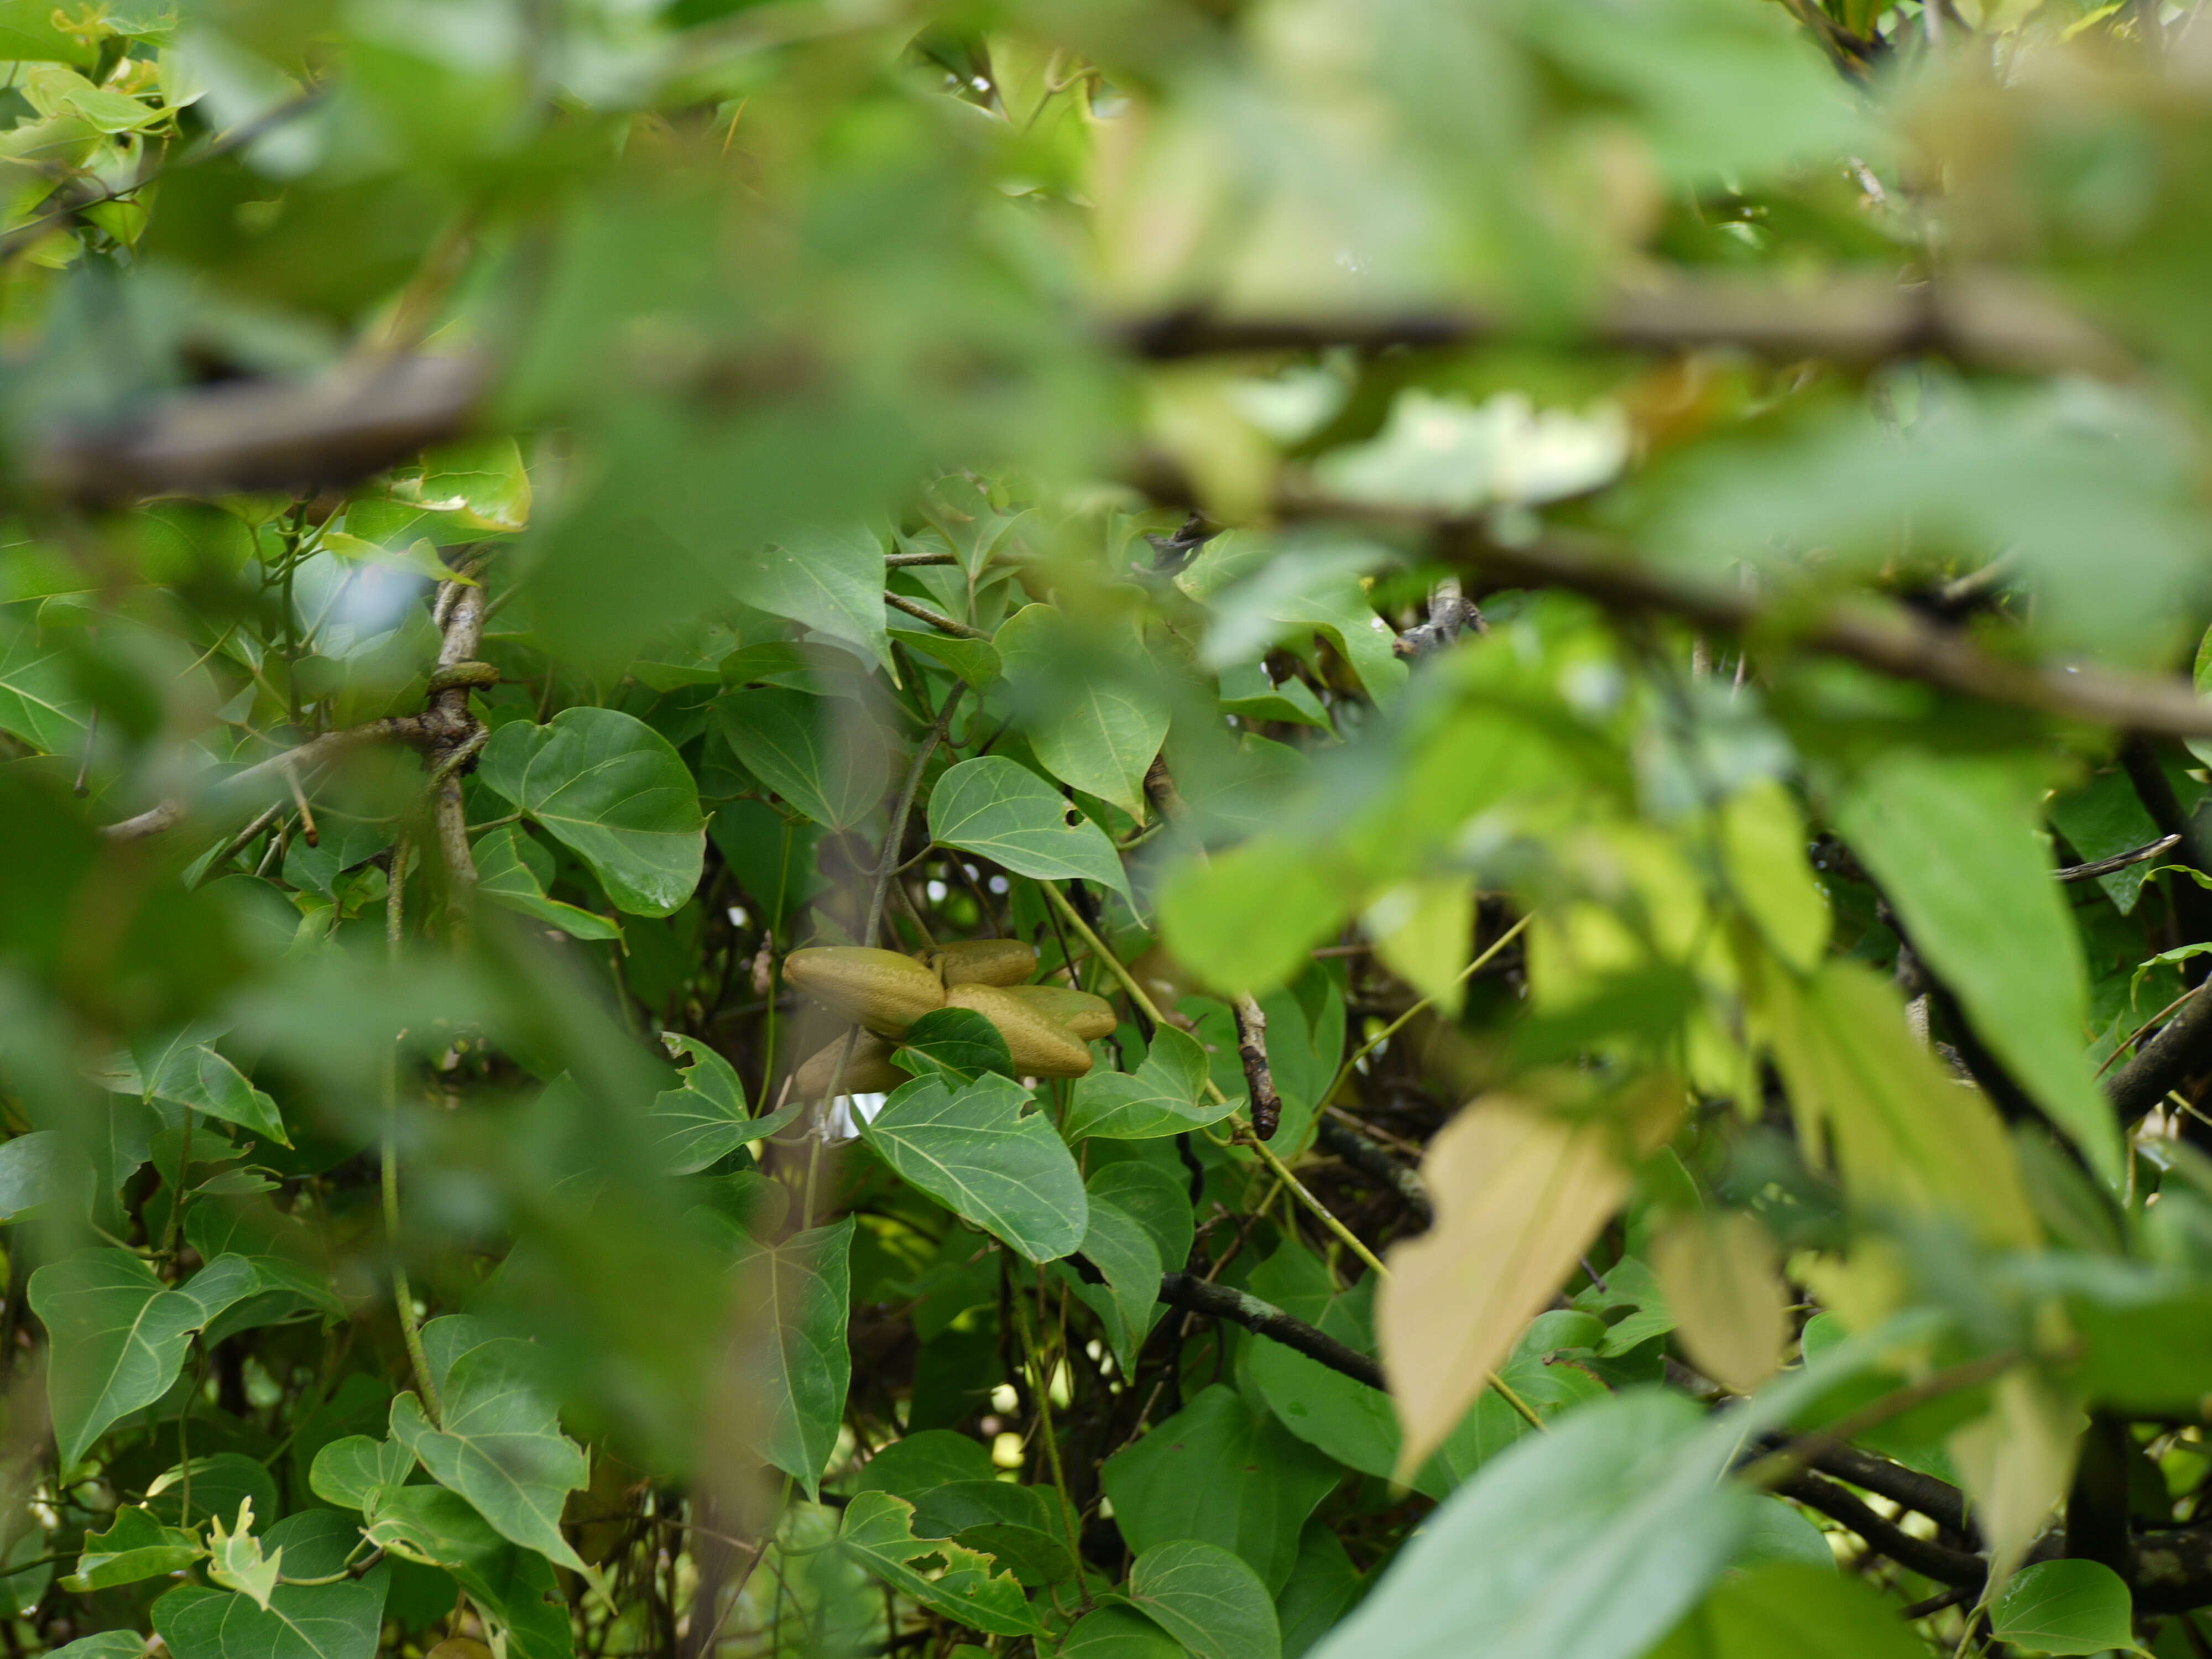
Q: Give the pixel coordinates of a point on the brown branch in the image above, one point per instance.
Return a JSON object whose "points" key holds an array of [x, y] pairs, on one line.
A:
{"points": [[459, 734], [411, 729], [1375, 1161], [1982, 318], [1923, 1556], [1195, 1295], [936, 619], [1890, 639], [268, 435]]}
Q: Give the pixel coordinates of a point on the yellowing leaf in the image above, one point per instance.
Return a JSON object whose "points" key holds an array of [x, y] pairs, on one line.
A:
{"points": [[1731, 1311], [1518, 1195], [235, 1561], [1423, 931], [1763, 842], [1903, 1131], [2016, 1461]]}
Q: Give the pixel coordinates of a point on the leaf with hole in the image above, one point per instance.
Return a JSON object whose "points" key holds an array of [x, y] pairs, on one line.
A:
{"points": [[949, 1579], [706, 1120], [1002, 809], [318, 1621]]}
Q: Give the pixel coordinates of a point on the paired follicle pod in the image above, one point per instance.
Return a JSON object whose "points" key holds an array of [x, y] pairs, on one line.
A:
{"points": [[1048, 1028]]}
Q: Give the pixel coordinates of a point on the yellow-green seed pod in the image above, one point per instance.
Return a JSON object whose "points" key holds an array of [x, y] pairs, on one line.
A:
{"points": [[870, 1070], [1087, 1016], [1040, 1047], [984, 962], [880, 989]]}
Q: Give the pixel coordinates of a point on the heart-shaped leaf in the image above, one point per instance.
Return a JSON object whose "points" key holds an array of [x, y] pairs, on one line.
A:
{"points": [[973, 1149], [119, 1334], [825, 757], [616, 793], [1207, 1600], [706, 1120], [319, 1621]]}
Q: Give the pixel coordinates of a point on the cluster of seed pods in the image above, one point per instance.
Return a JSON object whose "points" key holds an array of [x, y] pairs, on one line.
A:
{"points": [[1048, 1028]]}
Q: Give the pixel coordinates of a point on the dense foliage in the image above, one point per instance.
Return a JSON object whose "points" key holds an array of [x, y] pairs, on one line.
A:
{"points": [[1104, 827]]}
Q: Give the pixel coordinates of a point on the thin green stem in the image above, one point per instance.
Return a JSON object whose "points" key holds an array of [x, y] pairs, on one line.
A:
{"points": [[1397, 1025], [1041, 1380], [1281, 1171]]}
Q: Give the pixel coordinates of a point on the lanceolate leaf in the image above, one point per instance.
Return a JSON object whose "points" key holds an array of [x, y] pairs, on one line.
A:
{"points": [[1004, 811], [119, 1335], [974, 1150], [706, 1119], [615, 791], [499, 1442], [793, 1311], [1955, 847], [965, 1587]]}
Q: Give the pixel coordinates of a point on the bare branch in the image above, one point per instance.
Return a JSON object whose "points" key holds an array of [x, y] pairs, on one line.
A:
{"points": [[1977, 317], [410, 729], [1195, 1295], [268, 435], [1888, 639]]}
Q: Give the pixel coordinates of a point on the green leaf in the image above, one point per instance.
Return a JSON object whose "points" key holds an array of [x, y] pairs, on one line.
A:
{"points": [[954, 1581], [136, 1545], [1225, 1473], [350, 1471], [2104, 817], [1165, 1096], [1015, 1525], [823, 755], [1093, 713], [119, 1335], [107, 1643], [1127, 1304], [957, 1041], [918, 1463], [616, 793], [505, 877], [1244, 921], [831, 579], [30, 1173], [1324, 1586], [1207, 1600], [2064, 1606], [499, 1444], [30, 31], [483, 482], [706, 1120], [1157, 1201], [1111, 1632], [799, 1291], [1792, 1611], [184, 1069], [220, 1483], [40, 701], [1590, 1540], [975, 661], [514, 1587], [1004, 811], [973, 1149], [321, 1621], [286, 1255], [1247, 692], [235, 1561], [1955, 845]]}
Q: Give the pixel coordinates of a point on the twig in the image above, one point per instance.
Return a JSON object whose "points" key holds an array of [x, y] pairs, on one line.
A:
{"points": [[2095, 867], [1888, 639], [1199, 1296], [313, 836], [1786, 1461], [887, 861], [1344, 1070], [410, 729], [938, 620], [1921, 1555], [1975, 317], [403, 1294]]}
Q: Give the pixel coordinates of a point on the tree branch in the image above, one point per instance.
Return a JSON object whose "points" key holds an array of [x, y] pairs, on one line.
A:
{"points": [[1923, 1556], [1891, 641], [1375, 1161], [1199, 1296], [411, 729], [268, 435], [1975, 317]]}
